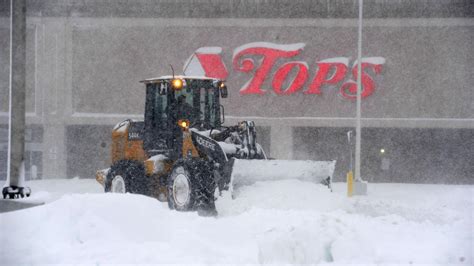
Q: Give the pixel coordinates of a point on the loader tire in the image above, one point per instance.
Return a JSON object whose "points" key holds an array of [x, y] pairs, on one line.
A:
{"points": [[127, 176], [191, 187]]}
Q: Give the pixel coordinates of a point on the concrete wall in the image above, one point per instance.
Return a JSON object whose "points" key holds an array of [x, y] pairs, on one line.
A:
{"points": [[248, 8], [85, 59]]}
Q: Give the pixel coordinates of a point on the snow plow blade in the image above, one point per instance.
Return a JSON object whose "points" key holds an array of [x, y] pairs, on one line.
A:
{"points": [[247, 172]]}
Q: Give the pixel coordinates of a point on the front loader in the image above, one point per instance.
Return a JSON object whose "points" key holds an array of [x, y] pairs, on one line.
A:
{"points": [[183, 154]]}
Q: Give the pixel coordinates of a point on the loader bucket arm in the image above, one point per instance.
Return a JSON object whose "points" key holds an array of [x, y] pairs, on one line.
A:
{"points": [[209, 147], [235, 172]]}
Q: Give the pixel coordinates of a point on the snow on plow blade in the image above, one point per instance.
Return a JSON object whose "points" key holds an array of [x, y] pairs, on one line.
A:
{"points": [[247, 172]]}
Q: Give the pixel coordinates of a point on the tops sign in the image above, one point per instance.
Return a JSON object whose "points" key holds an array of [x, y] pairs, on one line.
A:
{"points": [[261, 57]]}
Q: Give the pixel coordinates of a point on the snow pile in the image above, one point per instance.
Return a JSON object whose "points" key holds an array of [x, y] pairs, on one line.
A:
{"points": [[284, 195], [287, 221], [52, 189]]}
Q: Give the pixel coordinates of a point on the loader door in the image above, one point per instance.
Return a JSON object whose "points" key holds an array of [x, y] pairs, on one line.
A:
{"points": [[160, 131], [209, 105]]}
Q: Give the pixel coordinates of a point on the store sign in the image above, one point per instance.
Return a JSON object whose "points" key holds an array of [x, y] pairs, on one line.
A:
{"points": [[290, 77]]}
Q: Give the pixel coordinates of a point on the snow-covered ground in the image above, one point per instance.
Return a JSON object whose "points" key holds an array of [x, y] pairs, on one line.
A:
{"points": [[270, 222]]}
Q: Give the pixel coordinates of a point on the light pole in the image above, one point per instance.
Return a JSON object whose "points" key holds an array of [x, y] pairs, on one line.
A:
{"points": [[358, 112], [14, 186], [355, 184]]}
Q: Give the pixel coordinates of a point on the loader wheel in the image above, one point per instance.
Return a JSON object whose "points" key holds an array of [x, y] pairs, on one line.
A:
{"points": [[118, 185], [127, 176], [191, 187]]}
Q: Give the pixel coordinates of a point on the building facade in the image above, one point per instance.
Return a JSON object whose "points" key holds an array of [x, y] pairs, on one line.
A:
{"points": [[289, 66]]}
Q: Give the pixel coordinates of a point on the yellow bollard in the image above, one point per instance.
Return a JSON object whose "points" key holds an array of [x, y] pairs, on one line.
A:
{"points": [[350, 184]]}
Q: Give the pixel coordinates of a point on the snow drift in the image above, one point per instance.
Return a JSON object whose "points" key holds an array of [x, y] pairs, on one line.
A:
{"points": [[287, 221]]}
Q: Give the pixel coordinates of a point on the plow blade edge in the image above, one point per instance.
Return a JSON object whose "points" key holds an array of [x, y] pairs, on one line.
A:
{"points": [[247, 172]]}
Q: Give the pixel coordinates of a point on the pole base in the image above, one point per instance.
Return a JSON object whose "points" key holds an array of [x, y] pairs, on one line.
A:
{"points": [[13, 192], [355, 187], [360, 188]]}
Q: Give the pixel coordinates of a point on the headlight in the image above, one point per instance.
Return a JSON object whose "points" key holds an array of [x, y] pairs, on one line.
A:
{"points": [[183, 124]]}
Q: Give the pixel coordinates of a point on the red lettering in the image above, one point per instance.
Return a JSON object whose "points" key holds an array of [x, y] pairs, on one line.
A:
{"points": [[349, 89], [270, 56], [261, 58], [321, 77], [282, 74], [213, 65]]}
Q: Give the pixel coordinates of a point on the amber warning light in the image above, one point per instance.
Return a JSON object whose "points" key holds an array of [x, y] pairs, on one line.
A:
{"points": [[177, 84]]}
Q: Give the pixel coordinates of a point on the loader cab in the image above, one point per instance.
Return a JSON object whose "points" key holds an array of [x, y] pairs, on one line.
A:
{"points": [[172, 101]]}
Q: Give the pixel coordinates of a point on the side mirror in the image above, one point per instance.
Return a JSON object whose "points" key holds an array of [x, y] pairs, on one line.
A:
{"points": [[224, 92], [222, 89]]}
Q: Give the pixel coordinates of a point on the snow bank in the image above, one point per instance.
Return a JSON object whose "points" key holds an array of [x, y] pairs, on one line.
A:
{"points": [[286, 221], [48, 190]]}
